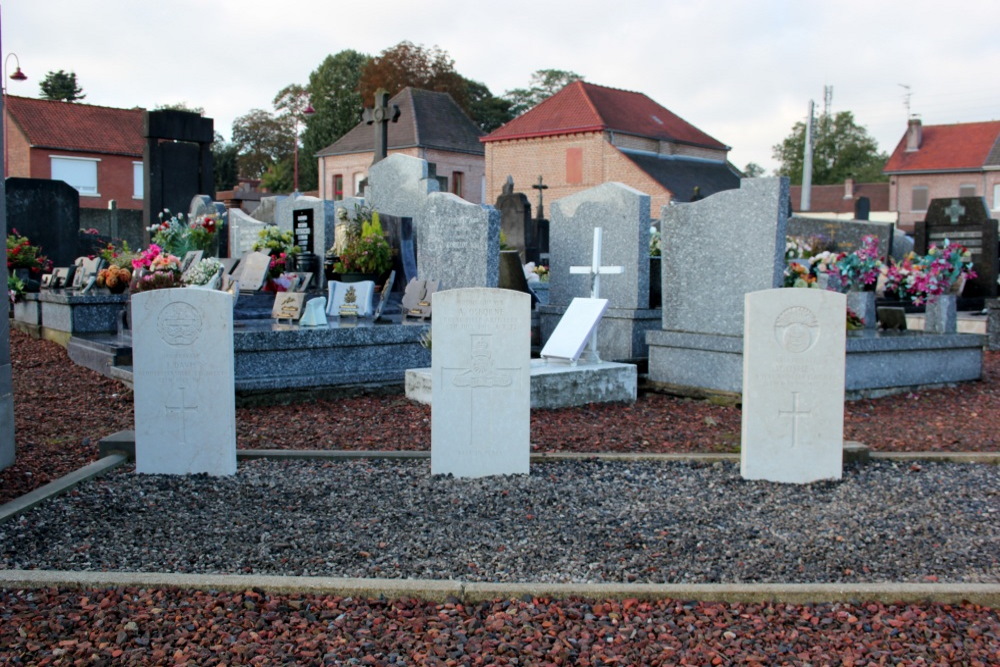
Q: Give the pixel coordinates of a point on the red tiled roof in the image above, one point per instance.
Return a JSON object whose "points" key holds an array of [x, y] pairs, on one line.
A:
{"points": [[78, 127], [947, 148], [587, 107]]}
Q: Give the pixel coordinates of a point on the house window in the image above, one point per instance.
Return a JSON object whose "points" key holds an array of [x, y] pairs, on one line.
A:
{"points": [[967, 190], [996, 197], [574, 166], [137, 188], [919, 202], [338, 187], [80, 173], [457, 182], [358, 177]]}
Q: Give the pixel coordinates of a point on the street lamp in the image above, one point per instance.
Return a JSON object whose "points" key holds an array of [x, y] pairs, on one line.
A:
{"points": [[18, 75], [308, 111]]}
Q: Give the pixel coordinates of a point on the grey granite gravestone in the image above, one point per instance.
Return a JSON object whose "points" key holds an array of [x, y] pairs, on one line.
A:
{"points": [[623, 213], [399, 185], [966, 221], [323, 220], [843, 235], [701, 342], [459, 243], [515, 220], [48, 213], [6, 382]]}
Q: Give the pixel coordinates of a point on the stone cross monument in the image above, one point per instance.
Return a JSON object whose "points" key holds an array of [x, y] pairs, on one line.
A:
{"points": [[380, 116]]}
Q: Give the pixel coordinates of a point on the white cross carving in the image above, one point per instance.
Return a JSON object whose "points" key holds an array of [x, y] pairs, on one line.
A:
{"points": [[955, 211], [795, 413], [181, 407], [596, 270]]}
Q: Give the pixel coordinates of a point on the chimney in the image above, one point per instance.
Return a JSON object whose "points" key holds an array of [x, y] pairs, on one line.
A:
{"points": [[914, 134], [849, 188]]}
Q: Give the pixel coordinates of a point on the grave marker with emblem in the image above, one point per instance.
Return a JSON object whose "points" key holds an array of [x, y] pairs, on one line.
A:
{"points": [[966, 221]]}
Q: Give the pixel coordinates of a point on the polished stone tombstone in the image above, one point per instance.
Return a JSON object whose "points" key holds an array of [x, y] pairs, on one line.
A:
{"points": [[520, 231], [966, 221], [480, 414], [793, 386], [459, 243], [48, 213], [623, 214], [843, 235], [177, 160], [185, 411]]}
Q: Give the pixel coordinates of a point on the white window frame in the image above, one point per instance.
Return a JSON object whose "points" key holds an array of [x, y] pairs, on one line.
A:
{"points": [[83, 188], [138, 187], [996, 196]]}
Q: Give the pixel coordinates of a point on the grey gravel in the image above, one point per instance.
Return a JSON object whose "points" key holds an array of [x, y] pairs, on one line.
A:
{"points": [[583, 521]]}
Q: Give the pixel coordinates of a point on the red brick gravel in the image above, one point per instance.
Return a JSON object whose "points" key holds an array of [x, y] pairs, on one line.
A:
{"points": [[62, 410]]}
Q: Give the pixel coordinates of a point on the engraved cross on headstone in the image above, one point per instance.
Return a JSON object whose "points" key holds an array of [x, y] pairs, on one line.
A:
{"points": [[541, 196], [795, 413], [955, 211], [181, 407], [481, 376], [380, 116], [596, 270]]}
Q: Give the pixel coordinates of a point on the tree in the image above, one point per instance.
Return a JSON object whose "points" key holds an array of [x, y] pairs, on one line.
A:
{"points": [[180, 106], [753, 170], [262, 139], [333, 91], [61, 86], [544, 84], [408, 65], [224, 156], [842, 149], [486, 110]]}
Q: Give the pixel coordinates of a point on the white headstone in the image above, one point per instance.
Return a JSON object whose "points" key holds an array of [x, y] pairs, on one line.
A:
{"points": [[481, 398], [185, 406], [793, 385], [244, 232]]}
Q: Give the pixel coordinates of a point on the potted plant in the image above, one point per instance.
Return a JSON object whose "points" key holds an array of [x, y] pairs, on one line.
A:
{"points": [[118, 274], [366, 253], [284, 255], [177, 235], [26, 261], [156, 269]]}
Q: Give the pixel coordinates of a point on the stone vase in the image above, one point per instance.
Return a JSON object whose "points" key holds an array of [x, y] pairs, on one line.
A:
{"points": [[863, 304], [941, 314]]}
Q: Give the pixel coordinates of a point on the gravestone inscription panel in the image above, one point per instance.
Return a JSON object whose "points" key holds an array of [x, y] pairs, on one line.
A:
{"points": [[481, 398], [966, 221], [185, 407]]}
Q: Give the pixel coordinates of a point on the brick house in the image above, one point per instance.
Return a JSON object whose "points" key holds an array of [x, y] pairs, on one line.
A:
{"points": [[97, 150], [431, 126], [838, 201], [586, 135], [938, 161]]}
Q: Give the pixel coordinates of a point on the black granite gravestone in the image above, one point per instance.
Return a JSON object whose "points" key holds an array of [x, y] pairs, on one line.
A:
{"points": [[177, 161], [399, 231], [48, 213], [966, 221], [842, 235]]}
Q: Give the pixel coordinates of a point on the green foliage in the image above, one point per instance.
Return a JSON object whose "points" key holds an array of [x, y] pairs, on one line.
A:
{"points": [[61, 86], [842, 149], [224, 157], [486, 110], [334, 94], [280, 176], [180, 106], [262, 139], [753, 170], [544, 84]]}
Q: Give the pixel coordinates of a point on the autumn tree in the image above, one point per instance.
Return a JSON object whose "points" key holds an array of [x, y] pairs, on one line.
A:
{"points": [[262, 140], [61, 86], [544, 84], [842, 149], [408, 65]]}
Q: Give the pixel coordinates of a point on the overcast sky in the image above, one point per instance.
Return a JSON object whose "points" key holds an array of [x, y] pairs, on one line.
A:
{"points": [[742, 71]]}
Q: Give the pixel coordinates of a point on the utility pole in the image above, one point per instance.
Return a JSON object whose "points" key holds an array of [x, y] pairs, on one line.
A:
{"points": [[807, 162]]}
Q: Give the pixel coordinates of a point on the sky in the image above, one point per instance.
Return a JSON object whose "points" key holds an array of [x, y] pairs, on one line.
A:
{"points": [[744, 71]]}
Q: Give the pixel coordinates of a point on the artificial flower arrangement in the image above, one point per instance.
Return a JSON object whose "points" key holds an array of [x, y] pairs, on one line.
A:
{"points": [[366, 249], [22, 255], [284, 253], [655, 249], [204, 273], [860, 270], [922, 279], [177, 235], [118, 273], [542, 272], [156, 269]]}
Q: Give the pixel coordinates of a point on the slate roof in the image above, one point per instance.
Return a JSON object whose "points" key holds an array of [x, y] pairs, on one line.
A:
{"points": [[958, 147], [586, 107], [427, 119], [680, 175], [830, 198], [79, 127]]}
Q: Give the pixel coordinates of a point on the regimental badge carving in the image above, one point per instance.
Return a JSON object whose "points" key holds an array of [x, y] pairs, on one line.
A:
{"points": [[179, 323], [796, 329], [483, 371]]}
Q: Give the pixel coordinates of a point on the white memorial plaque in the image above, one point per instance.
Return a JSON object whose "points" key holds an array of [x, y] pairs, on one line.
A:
{"points": [[253, 271], [351, 299], [481, 396], [793, 385], [574, 329], [185, 407]]}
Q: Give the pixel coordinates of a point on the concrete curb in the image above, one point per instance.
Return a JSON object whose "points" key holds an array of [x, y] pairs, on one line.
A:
{"points": [[987, 595], [59, 486]]}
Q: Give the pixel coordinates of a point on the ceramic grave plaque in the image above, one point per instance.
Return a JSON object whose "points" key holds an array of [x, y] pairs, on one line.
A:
{"points": [[288, 305], [793, 385], [185, 409], [480, 363], [351, 299], [574, 329], [417, 298], [253, 270]]}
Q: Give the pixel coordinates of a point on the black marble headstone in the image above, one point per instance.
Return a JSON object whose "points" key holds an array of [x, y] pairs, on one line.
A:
{"points": [[399, 231], [48, 213], [966, 221], [177, 161]]}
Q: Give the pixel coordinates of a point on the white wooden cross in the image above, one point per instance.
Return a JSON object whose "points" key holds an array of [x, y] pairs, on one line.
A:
{"points": [[596, 270]]}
